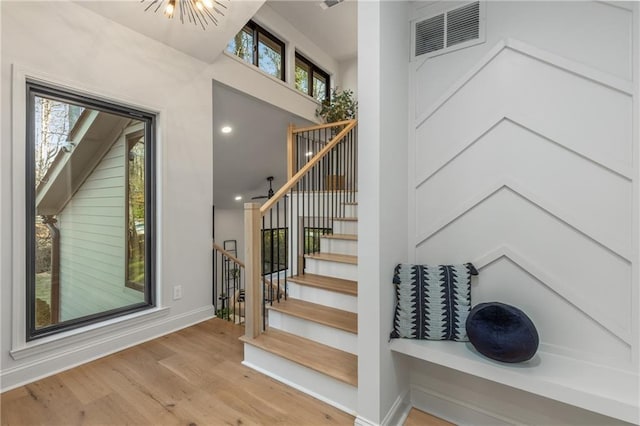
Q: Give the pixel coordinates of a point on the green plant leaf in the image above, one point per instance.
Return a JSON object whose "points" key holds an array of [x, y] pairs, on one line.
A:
{"points": [[341, 106]]}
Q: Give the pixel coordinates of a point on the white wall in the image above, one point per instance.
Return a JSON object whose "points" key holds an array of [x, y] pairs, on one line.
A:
{"points": [[53, 41], [349, 75], [382, 229], [522, 158], [229, 225], [67, 44]]}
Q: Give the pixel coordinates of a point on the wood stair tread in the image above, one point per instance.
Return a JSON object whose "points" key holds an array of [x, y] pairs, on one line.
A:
{"points": [[321, 314], [350, 237], [335, 363], [341, 258], [338, 285]]}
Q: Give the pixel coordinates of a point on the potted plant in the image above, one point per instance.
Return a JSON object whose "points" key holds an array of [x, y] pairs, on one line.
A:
{"points": [[340, 106]]}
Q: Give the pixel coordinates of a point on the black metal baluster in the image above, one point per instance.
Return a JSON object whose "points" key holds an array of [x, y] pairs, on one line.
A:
{"points": [[286, 247], [277, 250], [263, 279]]}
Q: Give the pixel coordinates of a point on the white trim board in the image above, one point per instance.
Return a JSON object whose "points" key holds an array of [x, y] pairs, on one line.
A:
{"points": [[557, 61], [586, 385]]}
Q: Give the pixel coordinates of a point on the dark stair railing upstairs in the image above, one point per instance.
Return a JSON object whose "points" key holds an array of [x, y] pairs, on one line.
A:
{"points": [[229, 279], [322, 178]]}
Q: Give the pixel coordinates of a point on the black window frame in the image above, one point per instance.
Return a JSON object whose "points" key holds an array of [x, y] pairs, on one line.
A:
{"points": [[314, 239], [275, 231], [256, 31], [38, 89], [313, 69]]}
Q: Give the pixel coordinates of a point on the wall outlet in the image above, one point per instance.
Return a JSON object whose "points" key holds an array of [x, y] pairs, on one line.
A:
{"points": [[177, 292]]}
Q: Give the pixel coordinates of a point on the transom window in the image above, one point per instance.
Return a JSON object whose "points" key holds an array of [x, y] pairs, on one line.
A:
{"points": [[257, 46], [90, 210], [310, 79]]}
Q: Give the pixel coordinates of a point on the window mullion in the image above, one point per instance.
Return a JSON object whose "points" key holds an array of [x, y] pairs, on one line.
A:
{"points": [[256, 41]]}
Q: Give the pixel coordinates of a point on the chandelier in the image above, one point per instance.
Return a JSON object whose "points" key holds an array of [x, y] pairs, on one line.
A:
{"points": [[197, 12]]}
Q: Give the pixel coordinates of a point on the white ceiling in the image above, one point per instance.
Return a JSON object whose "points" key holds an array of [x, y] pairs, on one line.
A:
{"points": [[255, 149], [334, 30], [191, 39]]}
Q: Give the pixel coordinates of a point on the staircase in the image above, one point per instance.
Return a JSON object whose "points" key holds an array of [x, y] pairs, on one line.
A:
{"points": [[311, 342], [302, 327]]}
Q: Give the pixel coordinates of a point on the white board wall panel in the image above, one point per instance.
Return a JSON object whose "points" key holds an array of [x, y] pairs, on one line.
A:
{"points": [[504, 280], [596, 34], [577, 268], [521, 160], [538, 96], [559, 180]]}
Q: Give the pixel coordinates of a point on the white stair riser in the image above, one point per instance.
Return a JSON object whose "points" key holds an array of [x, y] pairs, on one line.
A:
{"points": [[345, 227], [338, 246], [333, 392], [351, 210], [345, 302], [345, 271], [320, 333]]}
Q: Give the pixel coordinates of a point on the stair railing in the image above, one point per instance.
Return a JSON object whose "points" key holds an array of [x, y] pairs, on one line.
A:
{"points": [[322, 178], [229, 278]]}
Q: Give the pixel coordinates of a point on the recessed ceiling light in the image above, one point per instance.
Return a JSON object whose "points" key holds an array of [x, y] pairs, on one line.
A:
{"points": [[238, 197], [309, 154], [226, 129]]}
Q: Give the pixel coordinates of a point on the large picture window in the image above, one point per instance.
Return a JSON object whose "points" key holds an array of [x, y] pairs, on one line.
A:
{"points": [[310, 79], [90, 210], [257, 46]]}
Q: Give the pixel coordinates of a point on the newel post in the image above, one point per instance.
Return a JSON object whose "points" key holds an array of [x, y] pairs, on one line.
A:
{"points": [[253, 262]]}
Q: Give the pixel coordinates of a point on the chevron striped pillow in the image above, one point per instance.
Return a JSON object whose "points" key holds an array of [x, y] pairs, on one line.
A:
{"points": [[432, 302]]}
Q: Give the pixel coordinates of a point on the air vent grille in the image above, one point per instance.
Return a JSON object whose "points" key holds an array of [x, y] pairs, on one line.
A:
{"points": [[448, 31], [463, 24], [326, 4], [430, 35]]}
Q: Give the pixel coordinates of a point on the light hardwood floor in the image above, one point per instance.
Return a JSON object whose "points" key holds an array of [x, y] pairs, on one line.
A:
{"points": [[191, 377], [420, 418]]}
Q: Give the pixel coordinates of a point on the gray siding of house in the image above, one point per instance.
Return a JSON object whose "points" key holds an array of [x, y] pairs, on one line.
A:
{"points": [[93, 242]]}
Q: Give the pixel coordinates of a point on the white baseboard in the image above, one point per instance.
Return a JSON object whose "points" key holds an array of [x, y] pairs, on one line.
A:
{"points": [[454, 411], [399, 411], [361, 421], [396, 415], [67, 358]]}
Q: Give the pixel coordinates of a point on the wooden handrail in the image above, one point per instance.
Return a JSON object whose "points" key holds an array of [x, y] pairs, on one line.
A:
{"points": [[321, 126], [226, 253], [315, 160]]}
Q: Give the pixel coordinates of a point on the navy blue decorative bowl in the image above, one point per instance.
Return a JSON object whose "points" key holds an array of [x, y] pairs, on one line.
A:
{"points": [[502, 332]]}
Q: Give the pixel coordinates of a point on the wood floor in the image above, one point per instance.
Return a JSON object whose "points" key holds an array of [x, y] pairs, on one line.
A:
{"points": [[191, 377], [420, 418]]}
